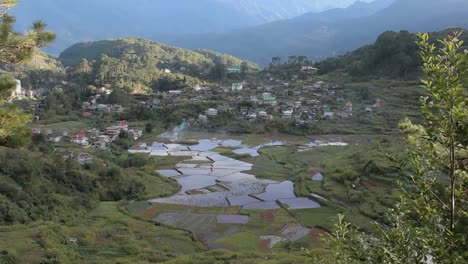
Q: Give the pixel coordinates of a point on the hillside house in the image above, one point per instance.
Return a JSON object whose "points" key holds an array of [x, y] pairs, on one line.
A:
{"points": [[309, 69], [54, 137], [174, 92], [154, 102], [349, 107], [269, 99], [87, 114], [103, 108], [234, 69], [288, 114], [100, 143], [93, 132], [113, 132], [344, 115], [197, 88], [68, 154], [135, 133], [80, 138], [211, 112], [328, 115], [378, 103], [237, 87], [263, 115], [319, 85], [117, 108], [122, 124], [244, 109], [202, 118], [251, 116], [84, 158], [223, 108]]}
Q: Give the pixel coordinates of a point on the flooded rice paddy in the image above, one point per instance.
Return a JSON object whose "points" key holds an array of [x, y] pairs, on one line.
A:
{"points": [[210, 179], [205, 169]]}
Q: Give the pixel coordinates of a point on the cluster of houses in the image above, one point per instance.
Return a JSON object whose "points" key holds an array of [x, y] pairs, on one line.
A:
{"points": [[94, 137], [304, 103], [91, 107], [101, 139]]}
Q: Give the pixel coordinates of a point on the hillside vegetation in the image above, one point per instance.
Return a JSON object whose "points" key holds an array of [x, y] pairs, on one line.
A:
{"points": [[142, 63], [393, 55]]}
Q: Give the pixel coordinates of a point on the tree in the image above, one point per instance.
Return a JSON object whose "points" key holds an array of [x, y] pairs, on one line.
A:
{"points": [[275, 61], [244, 68], [431, 220], [302, 60], [218, 72], [292, 59], [149, 128], [15, 48]]}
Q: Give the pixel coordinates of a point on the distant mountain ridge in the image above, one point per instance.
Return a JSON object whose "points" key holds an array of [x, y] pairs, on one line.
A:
{"points": [[86, 20], [333, 32]]}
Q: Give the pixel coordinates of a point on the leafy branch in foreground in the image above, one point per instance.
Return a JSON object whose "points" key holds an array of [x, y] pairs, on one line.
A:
{"points": [[430, 223], [15, 48]]}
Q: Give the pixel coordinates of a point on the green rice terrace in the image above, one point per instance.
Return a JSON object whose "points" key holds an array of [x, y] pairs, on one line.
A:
{"points": [[265, 195], [251, 193]]}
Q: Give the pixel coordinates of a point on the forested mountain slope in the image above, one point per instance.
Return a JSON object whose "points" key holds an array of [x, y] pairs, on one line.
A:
{"points": [[392, 55], [134, 62]]}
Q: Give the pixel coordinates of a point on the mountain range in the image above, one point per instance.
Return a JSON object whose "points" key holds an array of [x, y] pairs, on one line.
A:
{"points": [[255, 30], [333, 32], [88, 20]]}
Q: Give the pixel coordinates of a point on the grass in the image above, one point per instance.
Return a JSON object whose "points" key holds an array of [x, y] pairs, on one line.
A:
{"points": [[243, 241], [22, 243], [323, 216], [105, 235], [155, 185], [68, 125], [119, 232], [399, 100]]}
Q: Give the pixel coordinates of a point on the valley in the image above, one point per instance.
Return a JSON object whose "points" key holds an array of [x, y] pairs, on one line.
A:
{"points": [[265, 156], [296, 145]]}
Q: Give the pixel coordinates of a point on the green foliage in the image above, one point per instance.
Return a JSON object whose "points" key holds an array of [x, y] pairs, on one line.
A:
{"points": [[141, 65], [430, 221], [15, 48], [394, 54], [6, 258], [33, 188]]}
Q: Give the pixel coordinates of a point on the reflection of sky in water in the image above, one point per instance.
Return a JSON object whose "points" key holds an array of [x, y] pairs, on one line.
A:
{"points": [[317, 177], [196, 182], [215, 199], [205, 145], [278, 191], [248, 151], [205, 168], [232, 219], [262, 206], [300, 203], [238, 176], [230, 143], [168, 173], [241, 200], [244, 187]]}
